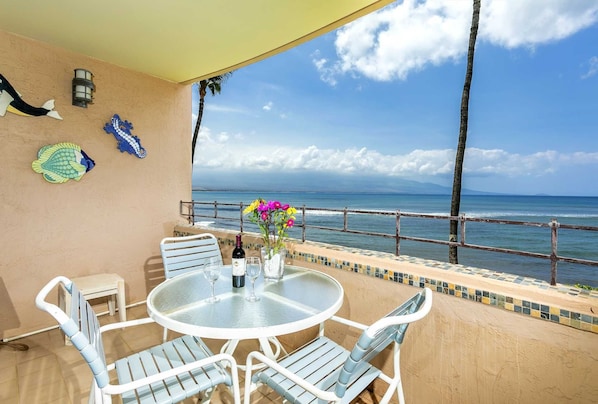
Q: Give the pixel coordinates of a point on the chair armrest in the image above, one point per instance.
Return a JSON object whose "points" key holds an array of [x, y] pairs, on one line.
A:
{"points": [[348, 322], [121, 388], [406, 318], [323, 395], [125, 324]]}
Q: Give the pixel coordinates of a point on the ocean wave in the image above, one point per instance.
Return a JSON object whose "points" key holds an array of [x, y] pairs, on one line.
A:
{"points": [[205, 223], [530, 214], [320, 213]]}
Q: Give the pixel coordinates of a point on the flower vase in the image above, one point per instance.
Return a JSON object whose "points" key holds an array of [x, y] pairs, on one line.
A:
{"points": [[273, 263]]}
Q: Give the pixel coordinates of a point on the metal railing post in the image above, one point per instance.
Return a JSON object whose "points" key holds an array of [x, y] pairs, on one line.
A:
{"points": [[398, 233], [241, 217], [303, 224], [463, 221], [345, 219], [554, 225]]}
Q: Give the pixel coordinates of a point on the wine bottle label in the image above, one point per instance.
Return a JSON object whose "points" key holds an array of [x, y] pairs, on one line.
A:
{"points": [[238, 266]]}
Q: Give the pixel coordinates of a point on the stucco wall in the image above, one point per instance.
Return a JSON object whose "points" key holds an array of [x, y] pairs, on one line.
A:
{"points": [[113, 219]]}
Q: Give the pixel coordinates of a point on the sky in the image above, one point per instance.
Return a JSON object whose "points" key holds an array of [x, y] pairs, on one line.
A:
{"points": [[375, 105]]}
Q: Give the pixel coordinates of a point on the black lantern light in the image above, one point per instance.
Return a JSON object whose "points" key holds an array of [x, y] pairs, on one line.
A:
{"points": [[83, 88]]}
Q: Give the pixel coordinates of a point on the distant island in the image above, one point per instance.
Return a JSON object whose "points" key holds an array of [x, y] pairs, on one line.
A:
{"points": [[320, 182]]}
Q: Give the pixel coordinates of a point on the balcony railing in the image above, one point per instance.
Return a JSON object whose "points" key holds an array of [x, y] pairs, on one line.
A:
{"points": [[227, 212]]}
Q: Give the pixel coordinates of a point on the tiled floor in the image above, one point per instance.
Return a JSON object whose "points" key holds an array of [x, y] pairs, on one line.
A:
{"points": [[51, 373]]}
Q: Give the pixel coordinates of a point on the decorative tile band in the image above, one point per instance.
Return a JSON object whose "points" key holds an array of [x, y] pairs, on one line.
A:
{"points": [[533, 309], [525, 307]]}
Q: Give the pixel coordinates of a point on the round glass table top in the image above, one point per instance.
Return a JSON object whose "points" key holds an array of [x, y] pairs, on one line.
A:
{"points": [[301, 299]]}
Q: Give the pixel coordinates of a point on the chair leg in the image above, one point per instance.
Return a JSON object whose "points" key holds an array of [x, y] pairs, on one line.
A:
{"points": [[122, 304], [112, 305]]}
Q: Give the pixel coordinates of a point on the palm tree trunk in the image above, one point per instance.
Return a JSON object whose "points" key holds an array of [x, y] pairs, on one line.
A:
{"points": [[201, 88], [456, 196]]}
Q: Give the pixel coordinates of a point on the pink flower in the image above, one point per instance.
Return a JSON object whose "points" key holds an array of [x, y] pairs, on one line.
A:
{"points": [[285, 207], [264, 216], [290, 222]]}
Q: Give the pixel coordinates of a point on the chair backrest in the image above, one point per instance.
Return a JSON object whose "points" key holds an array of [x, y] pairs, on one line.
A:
{"points": [[81, 325], [188, 253], [391, 328]]}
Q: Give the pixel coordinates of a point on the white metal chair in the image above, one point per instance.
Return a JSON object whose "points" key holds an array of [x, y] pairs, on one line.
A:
{"points": [[183, 254], [166, 373], [323, 371], [188, 253]]}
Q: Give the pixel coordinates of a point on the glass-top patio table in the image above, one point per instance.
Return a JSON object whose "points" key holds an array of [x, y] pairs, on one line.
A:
{"points": [[301, 299]]}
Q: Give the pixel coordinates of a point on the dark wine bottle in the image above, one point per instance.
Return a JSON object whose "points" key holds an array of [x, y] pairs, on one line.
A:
{"points": [[238, 264]]}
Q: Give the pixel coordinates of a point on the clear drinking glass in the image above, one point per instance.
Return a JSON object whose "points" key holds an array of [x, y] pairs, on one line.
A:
{"points": [[253, 267], [211, 271]]}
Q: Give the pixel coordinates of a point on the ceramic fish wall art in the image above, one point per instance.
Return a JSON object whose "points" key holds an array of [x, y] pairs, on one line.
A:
{"points": [[11, 101], [126, 141], [61, 162]]}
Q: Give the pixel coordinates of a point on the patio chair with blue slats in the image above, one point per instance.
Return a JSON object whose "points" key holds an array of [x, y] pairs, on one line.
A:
{"points": [[182, 254], [323, 371], [168, 373]]}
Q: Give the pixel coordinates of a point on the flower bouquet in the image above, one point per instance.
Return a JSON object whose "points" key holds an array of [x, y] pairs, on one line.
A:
{"points": [[273, 220]]}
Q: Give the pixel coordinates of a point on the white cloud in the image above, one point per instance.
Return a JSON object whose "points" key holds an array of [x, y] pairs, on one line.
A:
{"points": [[327, 74], [268, 106], [409, 36], [227, 152], [593, 67]]}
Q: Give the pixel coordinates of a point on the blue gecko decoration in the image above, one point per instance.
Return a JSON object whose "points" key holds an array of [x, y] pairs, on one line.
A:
{"points": [[126, 141]]}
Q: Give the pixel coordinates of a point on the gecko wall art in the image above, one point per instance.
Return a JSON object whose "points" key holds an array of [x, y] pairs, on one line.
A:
{"points": [[127, 142]]}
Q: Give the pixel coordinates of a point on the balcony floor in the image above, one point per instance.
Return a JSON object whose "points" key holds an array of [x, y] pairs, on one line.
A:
{"points": [[52, 373]]}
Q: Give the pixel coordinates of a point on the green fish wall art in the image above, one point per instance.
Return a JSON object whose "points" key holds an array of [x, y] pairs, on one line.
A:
{"points": [[11, 101], [61, 162]]}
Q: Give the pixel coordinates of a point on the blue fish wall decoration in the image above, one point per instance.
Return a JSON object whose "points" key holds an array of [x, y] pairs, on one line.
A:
{"points": [[126, 141], [61, 162], [11, 101]]}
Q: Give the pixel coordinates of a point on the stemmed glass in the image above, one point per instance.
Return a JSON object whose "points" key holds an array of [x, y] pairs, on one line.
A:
{"points": [[253, 267], [211, 271]]}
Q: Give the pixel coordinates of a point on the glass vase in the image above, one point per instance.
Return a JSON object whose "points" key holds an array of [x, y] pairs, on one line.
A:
{"points": [[273, 263]]}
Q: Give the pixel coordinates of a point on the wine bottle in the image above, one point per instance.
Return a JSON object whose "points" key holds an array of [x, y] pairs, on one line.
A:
{"points": [[238, 264]]}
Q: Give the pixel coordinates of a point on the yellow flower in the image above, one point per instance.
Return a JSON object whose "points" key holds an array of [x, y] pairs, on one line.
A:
{"points": [[253, 206]]}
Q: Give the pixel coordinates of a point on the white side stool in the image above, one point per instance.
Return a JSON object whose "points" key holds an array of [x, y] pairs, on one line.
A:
{"points": [[95, 286]]}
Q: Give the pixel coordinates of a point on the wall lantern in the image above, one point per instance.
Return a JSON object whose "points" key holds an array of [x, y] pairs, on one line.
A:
{"points": [[83, 88]]}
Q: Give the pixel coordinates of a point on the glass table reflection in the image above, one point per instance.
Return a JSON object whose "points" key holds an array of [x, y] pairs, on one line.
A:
{"points": [[301, 299]]}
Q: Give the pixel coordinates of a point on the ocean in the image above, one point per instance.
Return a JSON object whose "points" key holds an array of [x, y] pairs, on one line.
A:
{"points": [[579, 244]]}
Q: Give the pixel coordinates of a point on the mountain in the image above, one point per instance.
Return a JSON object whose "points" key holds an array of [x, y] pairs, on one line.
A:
{"points": [[315, 182]]}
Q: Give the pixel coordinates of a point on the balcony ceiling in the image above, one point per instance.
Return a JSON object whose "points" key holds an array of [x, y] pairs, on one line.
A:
{"points": [[179, 40]]}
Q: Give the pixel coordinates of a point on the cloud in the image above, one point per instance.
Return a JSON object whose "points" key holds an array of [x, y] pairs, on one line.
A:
{"points": [[593, 67], [268, 106], [410, 36], [222, 152]]}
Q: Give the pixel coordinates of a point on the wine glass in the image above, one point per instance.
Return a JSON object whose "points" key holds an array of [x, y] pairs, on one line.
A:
{"points": [[211, 271], [253, 267]]}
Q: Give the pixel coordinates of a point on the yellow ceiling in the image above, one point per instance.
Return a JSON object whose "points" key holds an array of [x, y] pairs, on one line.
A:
{"points": [[179, 40]]}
